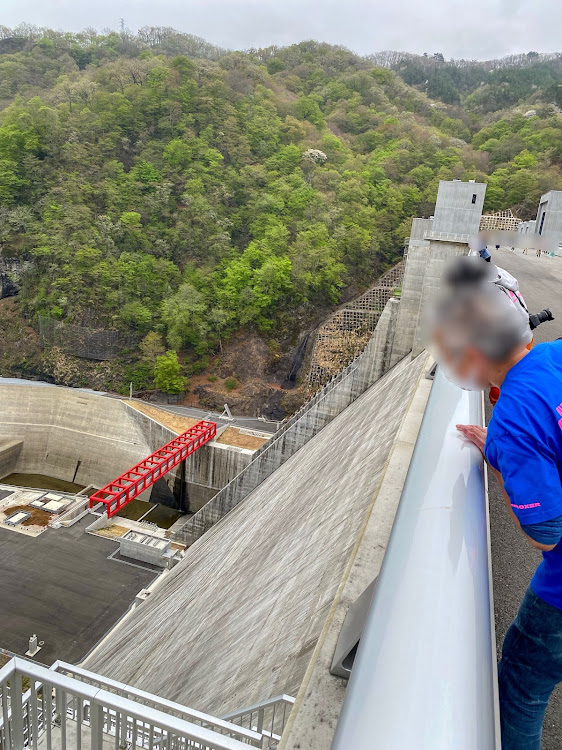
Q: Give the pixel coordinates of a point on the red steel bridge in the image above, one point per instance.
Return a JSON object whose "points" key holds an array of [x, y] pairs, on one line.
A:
{"points": [[129, 485]]}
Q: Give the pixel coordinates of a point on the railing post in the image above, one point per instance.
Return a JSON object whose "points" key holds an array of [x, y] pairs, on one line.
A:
{"points": [[17, 712], [7, 732], [48, 704], [259, 727], [34, 723], [96, 721]]}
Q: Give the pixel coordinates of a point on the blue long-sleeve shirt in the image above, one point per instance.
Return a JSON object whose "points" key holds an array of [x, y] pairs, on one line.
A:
{"points": [[524, 444]]}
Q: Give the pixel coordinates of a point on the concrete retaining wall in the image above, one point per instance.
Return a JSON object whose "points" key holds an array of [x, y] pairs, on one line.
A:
{"points": [[72, 435], [90, 439], [99, 522], [210, 469], [9, 454], [330, 401], [74, 514]]}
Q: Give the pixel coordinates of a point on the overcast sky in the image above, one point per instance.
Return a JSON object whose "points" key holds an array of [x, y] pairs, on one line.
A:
{"points": [[480, 29]]}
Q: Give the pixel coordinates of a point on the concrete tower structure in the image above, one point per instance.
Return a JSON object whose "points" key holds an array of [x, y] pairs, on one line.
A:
{"points": [[458, 211], [549, 215]]}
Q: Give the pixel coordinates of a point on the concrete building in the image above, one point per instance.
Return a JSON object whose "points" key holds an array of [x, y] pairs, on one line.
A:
{"points": [[549, 215], [527, 227], [458, 210], [146, 548], [545, 231], [421, 229]]}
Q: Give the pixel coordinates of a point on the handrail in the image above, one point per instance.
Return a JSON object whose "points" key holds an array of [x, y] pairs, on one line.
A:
{"points": [[26, 719], [425, 673], [429, 234], [268, 717], [278, 699], [220, 725]]}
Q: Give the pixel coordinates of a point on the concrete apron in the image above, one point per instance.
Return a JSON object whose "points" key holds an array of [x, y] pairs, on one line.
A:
{"points": [[313, 720]]}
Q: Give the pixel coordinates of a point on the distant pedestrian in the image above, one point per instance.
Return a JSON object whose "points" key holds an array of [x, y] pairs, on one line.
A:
{"points": [[525, 250], [512, 249], [486, 254]]}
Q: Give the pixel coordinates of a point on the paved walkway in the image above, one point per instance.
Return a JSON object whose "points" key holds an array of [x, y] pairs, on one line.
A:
{"points": [[513, 559], [253, 423]]}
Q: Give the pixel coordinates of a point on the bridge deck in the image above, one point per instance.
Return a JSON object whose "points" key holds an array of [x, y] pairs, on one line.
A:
{"points": [[136, 480]]}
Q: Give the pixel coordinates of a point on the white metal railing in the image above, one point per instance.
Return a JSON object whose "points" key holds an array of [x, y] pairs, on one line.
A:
{"points": [[149, 699], [267, 717], [60, 712], [424, 676], [445, 236]]}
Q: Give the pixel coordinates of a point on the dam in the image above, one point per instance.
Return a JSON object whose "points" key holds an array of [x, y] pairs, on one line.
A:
{"points": [[258, 623], [89, 439]]}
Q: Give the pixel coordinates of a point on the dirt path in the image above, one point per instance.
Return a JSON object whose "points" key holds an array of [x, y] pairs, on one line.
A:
{"points": [[174, 422]]}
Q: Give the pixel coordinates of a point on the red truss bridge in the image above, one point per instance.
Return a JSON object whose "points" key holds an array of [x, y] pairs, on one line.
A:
{"points": [[129, 485]]}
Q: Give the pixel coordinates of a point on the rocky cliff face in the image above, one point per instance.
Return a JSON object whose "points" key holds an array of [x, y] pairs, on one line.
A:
{"points": [[11, 270], [259, 371]]}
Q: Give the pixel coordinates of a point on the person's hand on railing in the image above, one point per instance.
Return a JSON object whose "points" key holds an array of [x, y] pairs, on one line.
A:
{"points": [[475, 434]]}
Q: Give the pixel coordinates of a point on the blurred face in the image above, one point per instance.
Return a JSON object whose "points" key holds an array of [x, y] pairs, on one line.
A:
{"points": [[467, 368]]}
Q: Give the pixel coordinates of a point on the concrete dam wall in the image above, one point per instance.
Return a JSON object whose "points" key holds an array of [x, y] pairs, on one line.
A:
{"points": [[322, 408], [237, 619], [91, 439], [71, 435], [9, 454]]}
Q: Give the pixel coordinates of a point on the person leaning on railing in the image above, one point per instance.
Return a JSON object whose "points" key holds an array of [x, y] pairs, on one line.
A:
{"points": [[480, 341]]}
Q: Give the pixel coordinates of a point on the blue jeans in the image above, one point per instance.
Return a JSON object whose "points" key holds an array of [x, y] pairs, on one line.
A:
{"points": [[530, 667]]}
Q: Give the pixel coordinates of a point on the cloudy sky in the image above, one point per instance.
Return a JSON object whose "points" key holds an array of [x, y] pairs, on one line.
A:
{"points": [[481, 29]]}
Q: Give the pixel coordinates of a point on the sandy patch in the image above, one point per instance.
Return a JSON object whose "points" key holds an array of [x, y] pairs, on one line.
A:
{"points": [[173, 422], [234, 436], [113, 532]]}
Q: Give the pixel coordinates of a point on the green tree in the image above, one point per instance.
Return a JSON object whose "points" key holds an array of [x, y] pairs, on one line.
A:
{"points": [[307, 108], [184, 315], [152, 347], [178, 154], [167, 373], [136, 315], [254, 285]]}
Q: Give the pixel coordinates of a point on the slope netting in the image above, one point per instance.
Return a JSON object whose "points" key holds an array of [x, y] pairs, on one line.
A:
{"points": [[84, 342]]}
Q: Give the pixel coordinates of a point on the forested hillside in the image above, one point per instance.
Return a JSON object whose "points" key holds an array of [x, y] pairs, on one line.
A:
{"points": [[184, 195]]}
